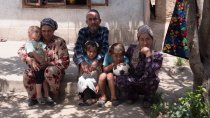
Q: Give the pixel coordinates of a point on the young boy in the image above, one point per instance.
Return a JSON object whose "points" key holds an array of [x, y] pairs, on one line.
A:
{"points": [[115, 56]]}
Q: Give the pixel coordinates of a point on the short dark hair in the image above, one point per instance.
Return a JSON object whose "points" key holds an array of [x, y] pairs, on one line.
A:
{"points": [[120, 47], [89, 44], [94, 10]]}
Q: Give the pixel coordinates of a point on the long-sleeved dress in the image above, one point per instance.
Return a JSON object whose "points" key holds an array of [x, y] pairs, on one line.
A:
{"points": [[142, 78], [57, 54]]}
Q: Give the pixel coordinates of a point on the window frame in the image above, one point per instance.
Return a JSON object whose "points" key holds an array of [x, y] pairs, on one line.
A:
{"points": [[105, 3], [57, 3], [26, 4]]}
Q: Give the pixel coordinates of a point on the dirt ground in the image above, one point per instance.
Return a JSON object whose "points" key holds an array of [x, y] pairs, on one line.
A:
{"points": [[174, 82]]}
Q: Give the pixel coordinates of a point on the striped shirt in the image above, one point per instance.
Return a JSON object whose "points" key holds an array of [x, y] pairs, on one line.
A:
{"points": [[101, 37]]}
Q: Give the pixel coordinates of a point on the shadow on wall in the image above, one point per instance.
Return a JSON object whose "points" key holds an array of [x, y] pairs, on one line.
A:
{"points": [[159, 25], [125, 35], [160, 9]]}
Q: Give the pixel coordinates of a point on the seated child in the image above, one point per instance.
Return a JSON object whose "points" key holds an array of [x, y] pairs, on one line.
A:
{"points": [[115, 56], [87, 81], [35, 49]]}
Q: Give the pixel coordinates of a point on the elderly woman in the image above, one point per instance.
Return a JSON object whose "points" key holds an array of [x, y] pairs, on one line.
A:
{"points": [[144, 63], [57, 61]]}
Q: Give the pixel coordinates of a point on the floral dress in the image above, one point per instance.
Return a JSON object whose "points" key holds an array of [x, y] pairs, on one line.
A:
{"points": [[142, 78], [57, 54]]}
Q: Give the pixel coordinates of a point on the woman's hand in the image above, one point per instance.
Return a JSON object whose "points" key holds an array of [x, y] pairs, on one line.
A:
{"points": [[45, 64], [146, 51]]}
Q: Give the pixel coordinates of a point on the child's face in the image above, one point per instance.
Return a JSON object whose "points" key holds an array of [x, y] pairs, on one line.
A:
{"points": [[91, 52], [34, 34], [117, 57]]}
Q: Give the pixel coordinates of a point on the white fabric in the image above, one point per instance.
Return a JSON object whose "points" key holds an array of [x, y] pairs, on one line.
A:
{"points": [[153, 2], [87, 80]]}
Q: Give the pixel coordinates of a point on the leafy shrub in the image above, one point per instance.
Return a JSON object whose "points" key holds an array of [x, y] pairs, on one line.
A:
{"points": [[191, 106]]}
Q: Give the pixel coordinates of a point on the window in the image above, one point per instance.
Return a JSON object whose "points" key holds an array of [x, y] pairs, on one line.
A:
{"points": [[99, 2], [64, 3]]}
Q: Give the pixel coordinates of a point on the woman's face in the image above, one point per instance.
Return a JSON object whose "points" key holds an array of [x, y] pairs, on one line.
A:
{"points": [[47, 32], [91, 52], [145, 40]]}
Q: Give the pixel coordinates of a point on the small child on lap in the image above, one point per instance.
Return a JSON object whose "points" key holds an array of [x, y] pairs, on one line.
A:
{"points": [[35, 49]]}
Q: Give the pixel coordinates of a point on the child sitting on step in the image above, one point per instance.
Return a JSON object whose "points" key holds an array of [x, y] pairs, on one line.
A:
{"points": [[115, 56], [87, 83]]}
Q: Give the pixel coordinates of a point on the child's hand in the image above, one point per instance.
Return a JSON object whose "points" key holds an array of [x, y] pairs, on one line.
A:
{"points": [[85, 67], [97, 88], [94, 65]]}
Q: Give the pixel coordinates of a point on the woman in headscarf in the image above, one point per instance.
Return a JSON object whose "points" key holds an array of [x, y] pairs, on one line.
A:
{"points": [[144, 64], [57, 61]]}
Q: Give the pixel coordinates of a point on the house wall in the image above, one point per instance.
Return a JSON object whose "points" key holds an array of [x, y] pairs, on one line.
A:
{"points": [[122, 17], [164, 9]]}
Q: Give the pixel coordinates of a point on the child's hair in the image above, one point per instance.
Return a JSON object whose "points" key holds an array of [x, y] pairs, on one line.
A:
{"points": [[117, 47], [90, 44], [32, 28]]}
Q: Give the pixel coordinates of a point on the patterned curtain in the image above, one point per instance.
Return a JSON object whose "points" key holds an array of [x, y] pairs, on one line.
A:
{"points": [[176, 42]]}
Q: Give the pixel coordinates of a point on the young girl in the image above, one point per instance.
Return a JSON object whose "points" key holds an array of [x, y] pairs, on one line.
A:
{"points": [[87, 88], [115, 56], [35, 49]]}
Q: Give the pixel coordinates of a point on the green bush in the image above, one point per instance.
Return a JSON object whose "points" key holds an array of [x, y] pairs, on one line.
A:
{"points": [[190, 106]]}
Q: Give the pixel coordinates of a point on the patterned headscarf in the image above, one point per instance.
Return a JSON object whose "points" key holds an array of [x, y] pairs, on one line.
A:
{"points": [[145, 29], [50, 22]]}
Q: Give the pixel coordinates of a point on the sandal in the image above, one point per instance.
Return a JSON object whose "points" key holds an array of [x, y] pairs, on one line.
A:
{"points": [[41, 101], [91, 101], [115, 102], [3, 40], [147, 102], [49, 101], [130, 101], [83, 104], [101, 103], [32, 102]]}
